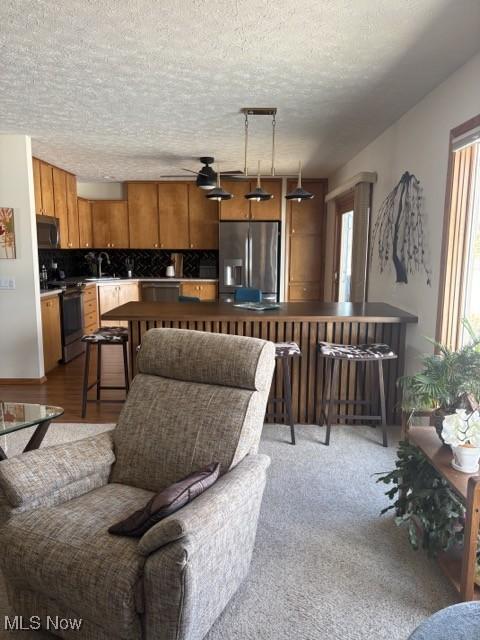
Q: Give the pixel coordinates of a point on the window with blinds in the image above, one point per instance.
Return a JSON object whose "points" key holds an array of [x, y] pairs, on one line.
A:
{"points": [[460, 267]]}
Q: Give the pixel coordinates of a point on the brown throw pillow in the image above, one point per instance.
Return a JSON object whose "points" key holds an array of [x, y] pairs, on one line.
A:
{"points": [[167, 502]]}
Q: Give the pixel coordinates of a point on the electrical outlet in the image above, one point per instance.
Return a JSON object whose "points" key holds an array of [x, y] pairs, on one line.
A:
{"points": [[7, 283]]}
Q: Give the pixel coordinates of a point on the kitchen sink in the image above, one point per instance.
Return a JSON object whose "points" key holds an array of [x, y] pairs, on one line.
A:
{"points": [[102, 279]]}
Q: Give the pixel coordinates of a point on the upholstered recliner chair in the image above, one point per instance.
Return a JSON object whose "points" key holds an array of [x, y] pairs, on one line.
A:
{"points": [[198, 398]]}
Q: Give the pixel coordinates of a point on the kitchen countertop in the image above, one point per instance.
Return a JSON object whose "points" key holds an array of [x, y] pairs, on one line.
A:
{"points": [[50, 293], [374, 312]]}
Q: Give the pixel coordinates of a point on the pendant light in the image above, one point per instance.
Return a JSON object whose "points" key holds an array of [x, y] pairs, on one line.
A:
{"points": [[299, 193], [258, 194], [218, 193]]}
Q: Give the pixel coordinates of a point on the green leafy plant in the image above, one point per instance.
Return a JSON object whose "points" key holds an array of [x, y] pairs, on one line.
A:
{"points": [[424, 503], [447, 378]]}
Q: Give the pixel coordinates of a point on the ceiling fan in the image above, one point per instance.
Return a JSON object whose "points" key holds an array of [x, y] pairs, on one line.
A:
{"points": [[206, 176]]}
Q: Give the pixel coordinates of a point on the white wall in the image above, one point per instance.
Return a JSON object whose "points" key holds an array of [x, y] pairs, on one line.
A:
{"points": [[101, 190], [21, 353], [417, 142]]}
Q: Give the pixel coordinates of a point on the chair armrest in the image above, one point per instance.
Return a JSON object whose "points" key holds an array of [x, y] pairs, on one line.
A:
{"points": [[206, 515], [35, 475]]}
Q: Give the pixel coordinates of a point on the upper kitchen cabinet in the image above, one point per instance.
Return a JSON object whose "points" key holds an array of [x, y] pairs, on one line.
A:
{"points": [[202, 218], [173, 214], [306, 243], [85, 229], [56, 195], [110, 224], [270, 209], [60, 204], [72, 211], [239, 208], [46, 182], [142, 198]]}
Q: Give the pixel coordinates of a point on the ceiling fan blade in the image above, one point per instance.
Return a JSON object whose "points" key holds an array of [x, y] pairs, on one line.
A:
{"points": [[231, 173], [189, 170]]}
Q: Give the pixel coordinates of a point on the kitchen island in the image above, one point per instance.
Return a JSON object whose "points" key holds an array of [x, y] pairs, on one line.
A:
{"points": [[304, 322]]}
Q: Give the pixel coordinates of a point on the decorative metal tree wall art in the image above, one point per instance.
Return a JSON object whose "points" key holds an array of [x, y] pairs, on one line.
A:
{"points": [[399, 230]]}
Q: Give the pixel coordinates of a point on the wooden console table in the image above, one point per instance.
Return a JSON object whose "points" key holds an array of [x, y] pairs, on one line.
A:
{"points": [[459, 566]]}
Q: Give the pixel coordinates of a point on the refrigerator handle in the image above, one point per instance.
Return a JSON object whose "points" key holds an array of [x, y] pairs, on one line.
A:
{"points": [[250, 257], [247, 261]]}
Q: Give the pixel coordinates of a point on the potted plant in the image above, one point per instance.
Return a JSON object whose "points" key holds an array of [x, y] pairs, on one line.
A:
{"points": [[449, 380], [461, 430]]}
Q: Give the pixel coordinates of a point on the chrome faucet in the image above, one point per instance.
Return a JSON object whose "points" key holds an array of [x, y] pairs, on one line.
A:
{"points": [[100, 260]]}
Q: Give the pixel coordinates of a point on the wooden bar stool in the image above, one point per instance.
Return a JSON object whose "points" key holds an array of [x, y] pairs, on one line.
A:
{"points": [[284, 352], [101, 337], [363, 353]]}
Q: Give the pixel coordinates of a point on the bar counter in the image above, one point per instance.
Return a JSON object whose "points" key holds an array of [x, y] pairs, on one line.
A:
{"points": [[304, 322]]}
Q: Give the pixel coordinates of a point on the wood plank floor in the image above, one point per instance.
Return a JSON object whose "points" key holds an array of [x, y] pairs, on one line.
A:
{"points": [[64, 388]]}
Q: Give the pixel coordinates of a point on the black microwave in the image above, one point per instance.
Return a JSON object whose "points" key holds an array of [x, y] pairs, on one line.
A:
{"points": [[48, 233]]}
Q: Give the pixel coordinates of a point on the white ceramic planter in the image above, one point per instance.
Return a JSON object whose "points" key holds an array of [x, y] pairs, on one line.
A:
{"points": [[465, 459]]}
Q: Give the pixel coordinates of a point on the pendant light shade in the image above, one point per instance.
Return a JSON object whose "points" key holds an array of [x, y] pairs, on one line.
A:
{"points": [[299, 193], [258, 194], [217, 193]]}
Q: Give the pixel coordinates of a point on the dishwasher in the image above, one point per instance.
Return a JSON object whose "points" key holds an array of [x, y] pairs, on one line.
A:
{"points": [[159, 291]]}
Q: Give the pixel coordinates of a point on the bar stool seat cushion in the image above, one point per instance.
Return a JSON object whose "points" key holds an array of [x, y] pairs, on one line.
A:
{"points": [[108, 335], [283, 349], [376, 351]]}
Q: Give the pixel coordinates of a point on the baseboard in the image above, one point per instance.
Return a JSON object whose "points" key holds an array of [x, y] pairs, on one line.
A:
{"points": [[41, 380]]}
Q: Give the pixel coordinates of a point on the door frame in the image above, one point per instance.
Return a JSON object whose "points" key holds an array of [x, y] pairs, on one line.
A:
{"points": [[343, 204]]}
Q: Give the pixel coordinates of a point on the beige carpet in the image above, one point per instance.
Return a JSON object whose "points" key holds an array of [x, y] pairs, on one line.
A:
{"points": [[326, 566]]}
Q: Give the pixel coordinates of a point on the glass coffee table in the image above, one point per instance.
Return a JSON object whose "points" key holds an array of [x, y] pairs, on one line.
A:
{"points": [[15, 416]]}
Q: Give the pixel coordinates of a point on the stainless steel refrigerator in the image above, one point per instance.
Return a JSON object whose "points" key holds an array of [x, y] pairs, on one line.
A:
{"points": [[248, 256]]}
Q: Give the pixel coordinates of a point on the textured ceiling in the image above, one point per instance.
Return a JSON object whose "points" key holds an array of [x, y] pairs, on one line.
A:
{"points": [[134, 88]]}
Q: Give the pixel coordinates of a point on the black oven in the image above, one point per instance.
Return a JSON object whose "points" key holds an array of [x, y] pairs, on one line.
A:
{"points": [[71, 314]]}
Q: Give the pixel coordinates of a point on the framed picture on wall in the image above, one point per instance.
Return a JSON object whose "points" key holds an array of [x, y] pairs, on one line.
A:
{"points": [[7, 233]]}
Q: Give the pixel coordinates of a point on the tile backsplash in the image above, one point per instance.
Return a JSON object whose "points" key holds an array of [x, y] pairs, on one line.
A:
{"points": [[147, 262]]}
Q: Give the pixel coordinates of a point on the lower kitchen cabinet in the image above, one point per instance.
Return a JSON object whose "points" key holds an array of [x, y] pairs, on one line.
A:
{"points": [[206, 291], [52, 337], [113, 295]]}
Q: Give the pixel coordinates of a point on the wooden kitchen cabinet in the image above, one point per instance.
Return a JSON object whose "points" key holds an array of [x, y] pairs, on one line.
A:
{"points": [[143, 220], [202, 219], [90, 309], [238, 208], [306, 243], [113, 295], [51, 331], [56, 195], [206, 291], [173, 214], [85, 230], [60, 204], [72, 211], [270, 209], [37, 186], [46, 181], [110, 224]]}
